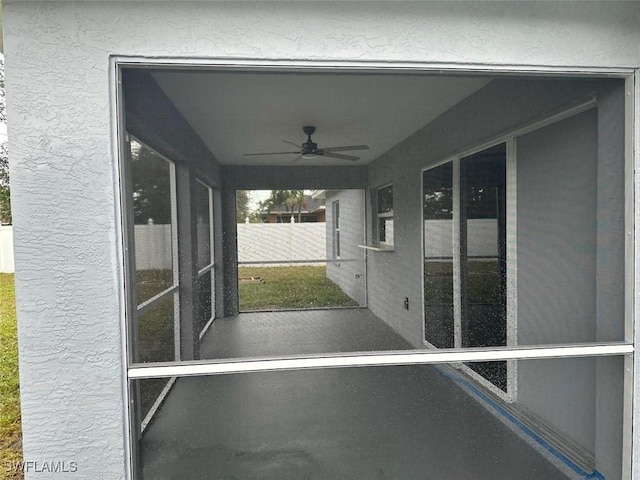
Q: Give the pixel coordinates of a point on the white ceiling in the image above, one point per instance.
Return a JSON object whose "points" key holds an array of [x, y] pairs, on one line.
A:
{"points": [[238, 113]]}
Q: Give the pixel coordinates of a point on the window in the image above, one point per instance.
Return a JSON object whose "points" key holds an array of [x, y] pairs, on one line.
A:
{"points": [[483, 313], [465, 303], [438, 256], [336, 229], [384, 197]]}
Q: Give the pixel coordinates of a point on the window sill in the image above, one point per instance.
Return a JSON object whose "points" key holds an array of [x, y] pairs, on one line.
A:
{"points": [[378, 248]]}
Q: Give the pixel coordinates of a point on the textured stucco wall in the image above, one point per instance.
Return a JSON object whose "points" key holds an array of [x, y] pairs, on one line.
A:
{"points": [[557, 227], [350, 273], [63, 169]]}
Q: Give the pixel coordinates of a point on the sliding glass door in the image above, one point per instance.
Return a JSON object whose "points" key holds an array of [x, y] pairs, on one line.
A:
{"points": [[465, 256], [483, 258]]}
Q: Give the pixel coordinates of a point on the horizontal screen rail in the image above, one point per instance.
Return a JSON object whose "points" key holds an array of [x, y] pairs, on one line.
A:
{"points": [[366, 359]]}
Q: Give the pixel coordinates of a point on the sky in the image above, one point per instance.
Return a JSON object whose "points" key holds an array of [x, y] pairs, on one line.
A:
{"points": [[257, 196]]}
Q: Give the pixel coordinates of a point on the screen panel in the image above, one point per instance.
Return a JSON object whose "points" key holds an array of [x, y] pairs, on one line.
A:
{"points": [[436, 424], [154, 221]]}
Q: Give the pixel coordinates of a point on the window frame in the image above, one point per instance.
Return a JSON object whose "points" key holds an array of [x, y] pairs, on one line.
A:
{"points": [[509, 140], [383, 216], [211, 266], [335, 224], [631, 412]]}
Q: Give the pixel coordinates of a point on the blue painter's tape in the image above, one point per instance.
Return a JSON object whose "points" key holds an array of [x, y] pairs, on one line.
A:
{"points": [[595, 475]]}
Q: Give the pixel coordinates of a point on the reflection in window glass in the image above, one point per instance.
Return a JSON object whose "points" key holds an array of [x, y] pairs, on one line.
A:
{"points": [[327, 424], [483, 256], [438, 256], [385, 215], [385, 199], [152, 178]]}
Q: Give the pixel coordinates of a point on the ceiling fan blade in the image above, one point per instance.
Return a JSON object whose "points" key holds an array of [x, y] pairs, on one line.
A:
{"points": [[295, 159], [345, 148], [337, 155], [294, 144], [270, 153]]}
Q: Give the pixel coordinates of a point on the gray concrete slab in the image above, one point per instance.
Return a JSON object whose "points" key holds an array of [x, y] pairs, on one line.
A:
{"points": [[260, 334], [373, 423]]}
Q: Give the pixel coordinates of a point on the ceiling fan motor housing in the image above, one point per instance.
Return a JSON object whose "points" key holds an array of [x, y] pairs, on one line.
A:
{"points": [[309, 146]]}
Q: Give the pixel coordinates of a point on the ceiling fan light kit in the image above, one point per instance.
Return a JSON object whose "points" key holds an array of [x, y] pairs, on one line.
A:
{"points": [[309, 149]]}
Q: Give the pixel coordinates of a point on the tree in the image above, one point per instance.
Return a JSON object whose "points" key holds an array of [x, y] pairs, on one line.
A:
{"points": [[151, 184], [242, 205], [276, 199], [296, 198], [5, 192], [285, 198]]}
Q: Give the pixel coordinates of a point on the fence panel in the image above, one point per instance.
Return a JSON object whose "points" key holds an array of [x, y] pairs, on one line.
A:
{"points": [[6, 249], [257, 242], [270, 242]]}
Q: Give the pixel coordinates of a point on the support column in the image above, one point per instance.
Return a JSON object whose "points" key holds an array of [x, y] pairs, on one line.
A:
{"points": [[187, 255], [229, 252], [218, 257]]}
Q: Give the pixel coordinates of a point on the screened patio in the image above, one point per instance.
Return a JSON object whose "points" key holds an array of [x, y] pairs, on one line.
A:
{"points": [[444, 247]]}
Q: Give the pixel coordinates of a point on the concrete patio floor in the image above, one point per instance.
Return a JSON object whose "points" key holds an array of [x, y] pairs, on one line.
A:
{"points": [[373, 423]]}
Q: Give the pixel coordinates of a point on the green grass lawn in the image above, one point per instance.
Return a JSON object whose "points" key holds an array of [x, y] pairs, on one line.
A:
{"points": [[10, 426], [290, 288], [154, 331]]}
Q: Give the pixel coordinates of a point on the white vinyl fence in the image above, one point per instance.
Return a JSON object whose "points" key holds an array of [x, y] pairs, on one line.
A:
{"points": [[257, 242], [281, 242], [482, 237], [153, 247], [6, 249], [276, 242]]}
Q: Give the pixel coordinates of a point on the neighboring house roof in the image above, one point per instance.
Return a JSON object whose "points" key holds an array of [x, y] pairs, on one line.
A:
{"points": [[310, 205]]}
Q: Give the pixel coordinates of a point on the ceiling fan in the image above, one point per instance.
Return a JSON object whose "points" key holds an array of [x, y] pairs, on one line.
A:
{"points": [[309, 149]]}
